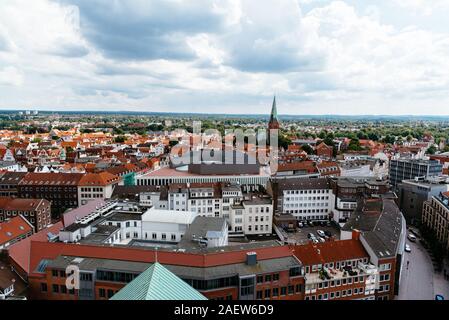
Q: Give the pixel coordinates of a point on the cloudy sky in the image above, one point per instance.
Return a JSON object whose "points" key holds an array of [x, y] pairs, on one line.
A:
{"points": [[226, 56]]}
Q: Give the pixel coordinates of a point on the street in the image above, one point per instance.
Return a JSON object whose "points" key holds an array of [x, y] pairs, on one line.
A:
{"points": [[419, 281]]}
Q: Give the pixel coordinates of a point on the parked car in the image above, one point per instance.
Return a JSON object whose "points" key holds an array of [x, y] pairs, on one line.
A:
{"points": [[314, 240], [328, 233], [300, 225], [411, 237], [321, 239], [407, 248], [439, 297], [321, 233], [310, 235]]}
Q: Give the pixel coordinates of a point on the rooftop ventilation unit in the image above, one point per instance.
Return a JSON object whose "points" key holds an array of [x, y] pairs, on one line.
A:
{"points": [[251, 258]]}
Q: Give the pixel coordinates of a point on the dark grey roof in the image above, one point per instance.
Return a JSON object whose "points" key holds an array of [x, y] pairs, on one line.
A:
{"points": [[303, 184], [92, 264], [242, 269], [132, 192], [380, 222]]}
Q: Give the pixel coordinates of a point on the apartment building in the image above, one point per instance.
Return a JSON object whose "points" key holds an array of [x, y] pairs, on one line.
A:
{"points": [[337, 270], [305, 199], [177, 197], [61, 189], [9, 182], [435, 216], [96, 186], [205, 199], [349, 190], [381, 228], [36, 211]]}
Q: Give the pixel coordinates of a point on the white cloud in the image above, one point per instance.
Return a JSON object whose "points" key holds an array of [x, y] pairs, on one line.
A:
{"points": [[424, 7], [53, 54], [11, 76]]}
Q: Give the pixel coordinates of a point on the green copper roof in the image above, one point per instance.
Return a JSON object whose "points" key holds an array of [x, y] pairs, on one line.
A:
{"points": [[158, 283], [274, 111]]}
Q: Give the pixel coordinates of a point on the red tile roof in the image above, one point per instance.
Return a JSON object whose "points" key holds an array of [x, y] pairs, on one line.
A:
{"points": [[308, 166], [16, 204], [20, 251], [51, 179], [14, 228], [98, 179], [330, 251]]}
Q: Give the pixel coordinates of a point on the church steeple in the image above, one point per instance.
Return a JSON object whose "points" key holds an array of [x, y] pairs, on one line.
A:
{"points": [[274, 121]]}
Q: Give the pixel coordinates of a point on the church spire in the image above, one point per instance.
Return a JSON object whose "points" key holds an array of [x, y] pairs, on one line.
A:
{"points": [[274, 121]]}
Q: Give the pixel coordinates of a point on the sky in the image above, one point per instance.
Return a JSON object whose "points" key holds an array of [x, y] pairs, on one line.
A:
{"points": [[226, 56]]}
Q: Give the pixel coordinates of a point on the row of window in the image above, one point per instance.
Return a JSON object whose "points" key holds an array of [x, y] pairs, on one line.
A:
{"points": [[268, 278], [56, 289], [276, 292], [336, 294], [306, 191], [103, 293], [337, 265]]}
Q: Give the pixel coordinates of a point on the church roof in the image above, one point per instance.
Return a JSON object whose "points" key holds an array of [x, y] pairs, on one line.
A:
{"points": [[158, 283]]}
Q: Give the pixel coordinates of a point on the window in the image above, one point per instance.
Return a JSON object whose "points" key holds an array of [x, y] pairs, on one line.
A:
{"points": [[298, 288], [276, 277], [63, 289], [267, 293], [102, 293], [291, 290], [275, 292], [55, 288], [173, 237], [259, 295], [283, 291], [54, 273], [43, 287], [110, 293], [268, 278], [259, 279]]}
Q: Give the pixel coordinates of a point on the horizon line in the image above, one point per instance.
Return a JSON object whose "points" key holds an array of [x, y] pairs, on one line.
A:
{"points": [[223, 114]]}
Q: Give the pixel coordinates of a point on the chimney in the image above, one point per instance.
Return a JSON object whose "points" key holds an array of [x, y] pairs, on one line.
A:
{"points": [[251, 258], [355, 234]]}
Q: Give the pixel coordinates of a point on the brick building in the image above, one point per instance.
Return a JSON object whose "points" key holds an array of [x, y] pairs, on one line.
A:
{"points": [[337, 270], [36, 211], [324, 151], [61, 189], [254, 271]]}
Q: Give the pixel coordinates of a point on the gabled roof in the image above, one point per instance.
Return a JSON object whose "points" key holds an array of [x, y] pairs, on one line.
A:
{"points": [[14, 228], [158, 283]]}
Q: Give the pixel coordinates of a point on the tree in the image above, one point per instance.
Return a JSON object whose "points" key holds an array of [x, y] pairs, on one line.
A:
{"points": [[284, 141], [431, 150], [354, 145], [308, 149], [120, 139]]}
